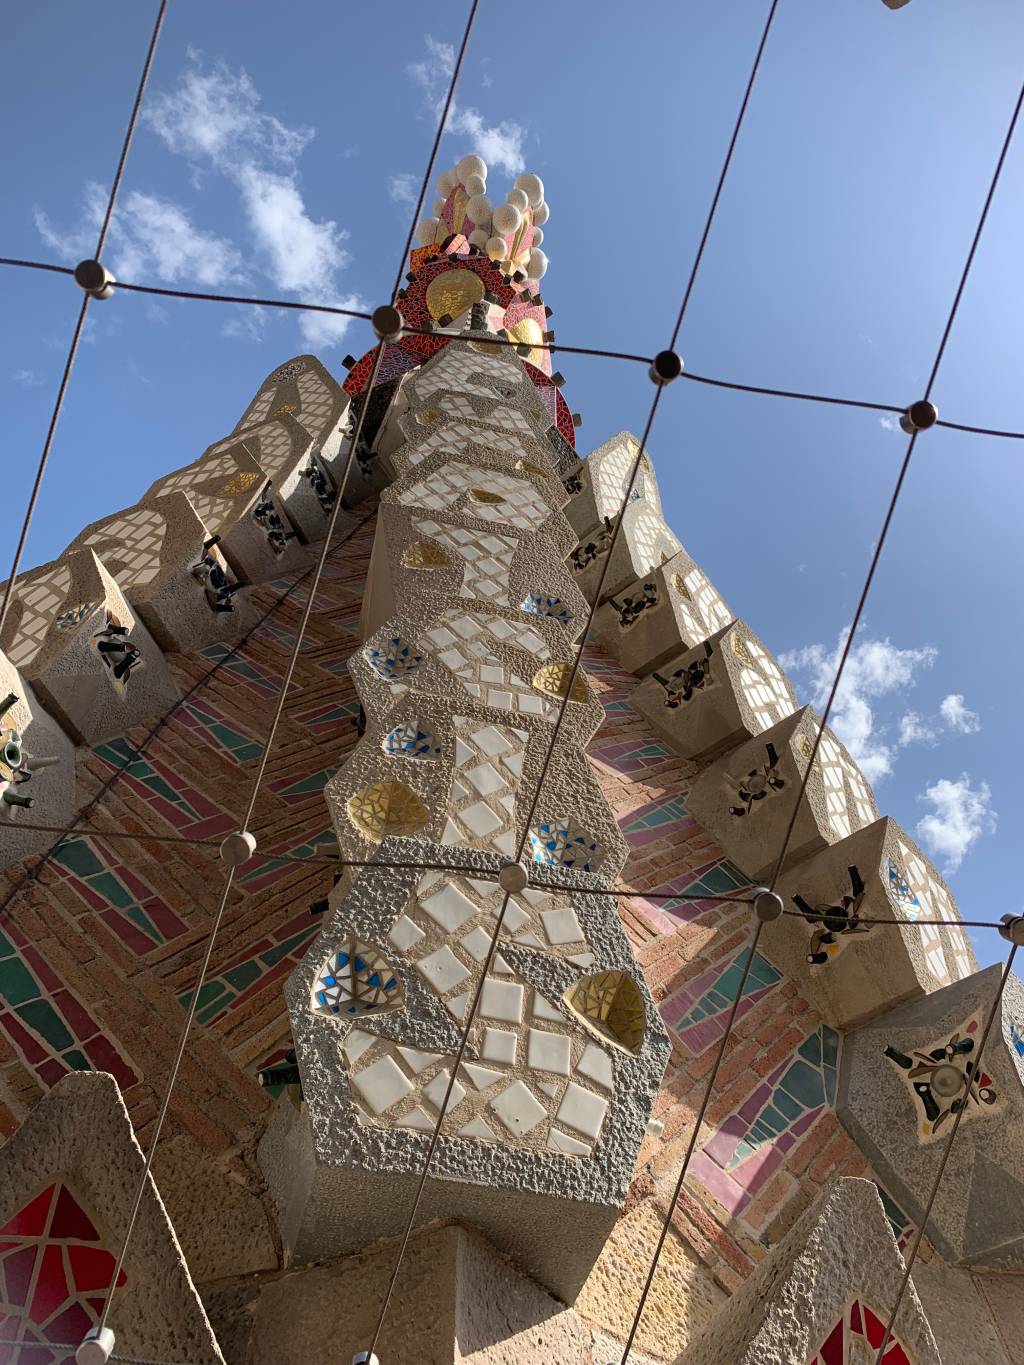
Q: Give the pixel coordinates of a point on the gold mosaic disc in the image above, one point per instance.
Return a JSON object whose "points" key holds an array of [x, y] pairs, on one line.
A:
{"points": [[610, 1005], [424, 554], [387, 808], [240, 482], [528, 331], [453, 292], [554, 680]]}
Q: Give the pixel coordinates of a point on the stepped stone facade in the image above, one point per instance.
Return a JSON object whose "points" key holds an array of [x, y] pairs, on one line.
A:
{"points": [[436, 729]]}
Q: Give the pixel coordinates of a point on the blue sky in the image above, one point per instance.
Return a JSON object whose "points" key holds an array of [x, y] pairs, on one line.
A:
{"points": [[275, 157]]}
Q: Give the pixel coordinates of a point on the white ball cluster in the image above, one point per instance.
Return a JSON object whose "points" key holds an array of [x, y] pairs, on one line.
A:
{"points": [[532, 186], [471, 165], [507, 218], [426, 231]]}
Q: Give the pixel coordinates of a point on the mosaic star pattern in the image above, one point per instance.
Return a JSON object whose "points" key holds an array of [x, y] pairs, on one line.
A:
{"points": [[357, 979]]}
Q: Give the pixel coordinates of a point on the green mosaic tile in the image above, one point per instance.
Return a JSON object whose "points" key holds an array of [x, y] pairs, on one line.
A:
{"points": [[105, 884], [78, 1061], [803, 1082], [243, 975], [42, 1017], [79, 857], [17, 984]]}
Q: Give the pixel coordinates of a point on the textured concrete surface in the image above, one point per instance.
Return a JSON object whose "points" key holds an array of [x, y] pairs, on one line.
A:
{"points": [[457, 1301], [841, 1249], [959, 1314], [1004, 1297], [978, 1215], [836, 801], [51, 788], [715, 696], [683, 1301], [869, 968], [80, 1133]]}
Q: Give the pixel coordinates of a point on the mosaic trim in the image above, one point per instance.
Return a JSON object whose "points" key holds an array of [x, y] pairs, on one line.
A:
{"points": [[697, 1013], [54, 1276], [859, 1328], [753, 1142]]}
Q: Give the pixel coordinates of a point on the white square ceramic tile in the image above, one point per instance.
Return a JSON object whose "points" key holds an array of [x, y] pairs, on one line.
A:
{"points": [[499, 1046], [416, 1060], [486, 779], [515, 917], [505, 843], [483, 1077], [518, 1108], [442, 969], [562, 1142], [457, 1005], [514, 763], [597, 1065], [490, 740], [357, 1041], [583, 1110], [451, 833], [529, 938], [543, 1009], [502, 1000], [549, 1051], [561, 926], [448, 907], [404, 933], [476, 943], [480, 819], [418, 1118], [499, 698], [382, 1084], [478, 1128], [435, 1091], [463, 753]]}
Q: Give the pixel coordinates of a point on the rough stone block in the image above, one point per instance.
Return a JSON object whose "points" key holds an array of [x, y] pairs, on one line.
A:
{"points": [[902, 1078], [850, 971], [227, 487], [714, 696], [302, 389], [673, 607], [93, 664], [457, 1301], [745, 799], [37, 769], [824, 1294], [68, 1179], [598, 487], [161, 556], [538, 1145]]}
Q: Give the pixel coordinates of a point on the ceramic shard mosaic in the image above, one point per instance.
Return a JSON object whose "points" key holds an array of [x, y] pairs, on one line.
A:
{"points": [[357, 979]]}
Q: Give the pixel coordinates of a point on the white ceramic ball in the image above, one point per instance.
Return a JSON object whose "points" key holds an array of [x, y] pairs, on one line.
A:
{"points": [[446, 182], [533, 187], [471, 165], [475, 184], [439, 207], [496, 248], [519, 199], [479, 237], [427, 230], [479, 209], [506, 218], [541, 213], [538, 236], [538, 264]]}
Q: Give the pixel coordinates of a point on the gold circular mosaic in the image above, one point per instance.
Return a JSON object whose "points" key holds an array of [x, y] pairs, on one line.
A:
{"points": [[528, 332], [453, 292], [387, 808], [554, 680], [424, 554], [240, 482], [610, 1005], [739, 648]]}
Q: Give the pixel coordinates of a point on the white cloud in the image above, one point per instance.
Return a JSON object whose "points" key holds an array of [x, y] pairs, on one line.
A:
{"points": [[246, 323], [889, 423], [403, 188], [958, 716], [151, 239], [28, 379], [914, 729], [960, 815], [500, 144], [212, 117], [874, 669]]}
